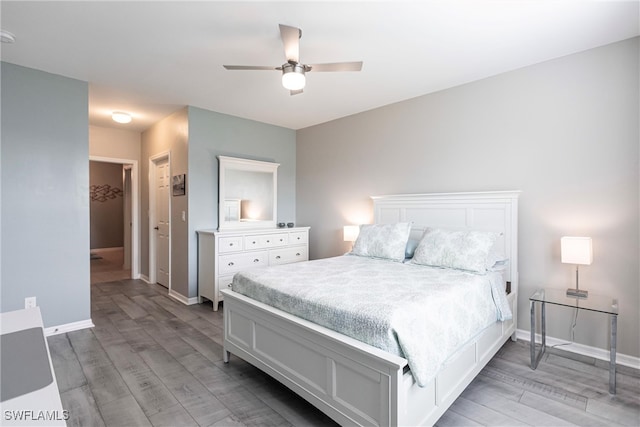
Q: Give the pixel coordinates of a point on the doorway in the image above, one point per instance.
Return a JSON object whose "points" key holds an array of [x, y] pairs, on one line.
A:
{"points": [[115, 240], [159, 220]]}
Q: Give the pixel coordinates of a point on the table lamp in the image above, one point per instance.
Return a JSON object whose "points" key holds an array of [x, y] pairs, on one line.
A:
{"points": [[578, 251], [350, 233]]}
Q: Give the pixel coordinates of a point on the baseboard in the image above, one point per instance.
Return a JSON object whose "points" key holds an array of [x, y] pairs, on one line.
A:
{"points": [[99, 250], [179, 297], [68, 327], [173, 294], [585, 350]]}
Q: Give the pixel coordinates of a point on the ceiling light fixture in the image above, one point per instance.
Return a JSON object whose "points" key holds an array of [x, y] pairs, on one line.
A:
{"points": [[7, 37], [121, 117], [293, 76]]}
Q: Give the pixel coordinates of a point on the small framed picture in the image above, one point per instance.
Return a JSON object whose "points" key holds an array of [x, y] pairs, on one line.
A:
{"points": [[179, 185]]}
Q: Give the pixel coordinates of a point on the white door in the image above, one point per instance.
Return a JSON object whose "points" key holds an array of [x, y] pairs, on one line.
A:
{"points": [[162, 226]]}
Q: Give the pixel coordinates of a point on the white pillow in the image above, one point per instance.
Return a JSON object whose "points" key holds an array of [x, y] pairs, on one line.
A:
{"points": [[496, 261], [464, 250], [499, 266], [387, 241]]}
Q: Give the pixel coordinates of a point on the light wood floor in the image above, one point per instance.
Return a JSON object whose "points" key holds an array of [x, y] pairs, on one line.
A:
{"points": [[153, 361]]}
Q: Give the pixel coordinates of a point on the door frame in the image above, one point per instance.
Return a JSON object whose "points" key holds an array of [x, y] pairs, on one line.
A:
{"points": [[135, 209], [153, 248], [127, 171]]}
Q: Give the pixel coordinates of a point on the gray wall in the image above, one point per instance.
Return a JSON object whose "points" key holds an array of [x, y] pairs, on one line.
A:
{"points": [[106, 206], [213, 134], [168, 135], [45, 194], [565, 132]]}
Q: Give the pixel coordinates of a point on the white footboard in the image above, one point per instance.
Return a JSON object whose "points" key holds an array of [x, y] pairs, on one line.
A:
{"points": [[350, 381]]}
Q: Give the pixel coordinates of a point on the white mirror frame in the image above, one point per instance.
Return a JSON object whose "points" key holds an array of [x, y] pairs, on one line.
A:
{"points": [[238, 164]]}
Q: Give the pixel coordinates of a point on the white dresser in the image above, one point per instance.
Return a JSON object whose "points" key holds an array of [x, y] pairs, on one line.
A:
{"points": [[221, 254]]}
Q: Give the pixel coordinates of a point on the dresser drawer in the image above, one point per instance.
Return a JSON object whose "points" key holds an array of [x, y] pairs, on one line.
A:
{"points": [[224, 282], [288, 255], [262, 241], [298, 237], [242, 261], [230, 244]]}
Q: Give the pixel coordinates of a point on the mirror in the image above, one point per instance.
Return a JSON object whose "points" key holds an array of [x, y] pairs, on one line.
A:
{"points": [[247, 193]]}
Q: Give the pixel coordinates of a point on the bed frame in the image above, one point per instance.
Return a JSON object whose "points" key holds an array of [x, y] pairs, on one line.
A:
{"points": [[352, 382]]}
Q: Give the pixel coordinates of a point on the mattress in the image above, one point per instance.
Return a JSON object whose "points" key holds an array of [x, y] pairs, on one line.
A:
{"points": [[421, 313]]}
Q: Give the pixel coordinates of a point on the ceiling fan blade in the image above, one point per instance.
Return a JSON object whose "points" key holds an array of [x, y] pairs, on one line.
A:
{"points": [[291, 41], [337, 66], [250, 67], [295, 92]]}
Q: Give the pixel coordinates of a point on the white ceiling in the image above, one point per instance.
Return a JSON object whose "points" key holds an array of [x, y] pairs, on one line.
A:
{"points": [[151, 58]]}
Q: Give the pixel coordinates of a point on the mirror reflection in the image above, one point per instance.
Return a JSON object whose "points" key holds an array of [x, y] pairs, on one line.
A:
{"points": [[247, 193]]}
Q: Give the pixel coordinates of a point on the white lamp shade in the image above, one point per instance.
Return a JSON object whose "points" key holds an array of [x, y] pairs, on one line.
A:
{"points": [[351, 233], [293, 80], [576, 250]]}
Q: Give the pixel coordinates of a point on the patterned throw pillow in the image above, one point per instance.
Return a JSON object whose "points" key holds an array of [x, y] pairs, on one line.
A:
{"points": [[464, 250], [383, 240]]}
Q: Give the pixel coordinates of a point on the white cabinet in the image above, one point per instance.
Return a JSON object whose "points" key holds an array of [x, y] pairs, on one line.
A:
{"points": [[221, 254]]}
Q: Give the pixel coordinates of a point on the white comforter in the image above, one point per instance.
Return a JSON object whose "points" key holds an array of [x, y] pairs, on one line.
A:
{"points": [[423, 314]]}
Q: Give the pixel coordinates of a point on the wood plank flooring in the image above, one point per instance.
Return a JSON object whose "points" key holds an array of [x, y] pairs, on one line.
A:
{"points": [[107, 265], [152, 361]]}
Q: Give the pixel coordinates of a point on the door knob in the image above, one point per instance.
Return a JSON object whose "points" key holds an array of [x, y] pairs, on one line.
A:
{"points": [[156, 228]]}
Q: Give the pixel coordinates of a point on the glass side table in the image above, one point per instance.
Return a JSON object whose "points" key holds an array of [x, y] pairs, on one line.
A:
{"points": [[597, 303]]}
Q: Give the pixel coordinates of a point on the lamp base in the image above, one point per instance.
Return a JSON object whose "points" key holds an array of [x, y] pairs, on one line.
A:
{"points": [[577, 293]]}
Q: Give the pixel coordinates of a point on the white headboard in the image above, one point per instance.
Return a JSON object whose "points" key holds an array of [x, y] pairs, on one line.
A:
{"points": [[489, 211]]}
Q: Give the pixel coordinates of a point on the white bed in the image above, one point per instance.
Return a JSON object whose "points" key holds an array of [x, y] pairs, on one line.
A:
{"points": [[355, 383]]}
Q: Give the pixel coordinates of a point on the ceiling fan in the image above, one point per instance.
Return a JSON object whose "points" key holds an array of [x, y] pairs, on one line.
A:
{"points": [[293, 72]]}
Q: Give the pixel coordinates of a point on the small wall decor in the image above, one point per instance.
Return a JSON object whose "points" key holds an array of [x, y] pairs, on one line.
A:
{"points": [[179, 185], [102, 193]]}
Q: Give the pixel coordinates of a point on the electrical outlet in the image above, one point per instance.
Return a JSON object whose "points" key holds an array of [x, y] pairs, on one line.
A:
{"points": [[30, 302]]}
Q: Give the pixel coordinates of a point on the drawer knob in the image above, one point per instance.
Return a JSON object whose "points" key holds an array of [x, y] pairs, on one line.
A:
{"points": [[278, 257], [254, 242], [281, 240], [268, 241], [298, 254], [298, 237], [230, 244], [230, 264], [256, 260]]}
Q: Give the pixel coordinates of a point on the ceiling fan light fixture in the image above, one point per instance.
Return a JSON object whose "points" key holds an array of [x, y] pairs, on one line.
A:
{"points": [[120, 117], [293, 77]]}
